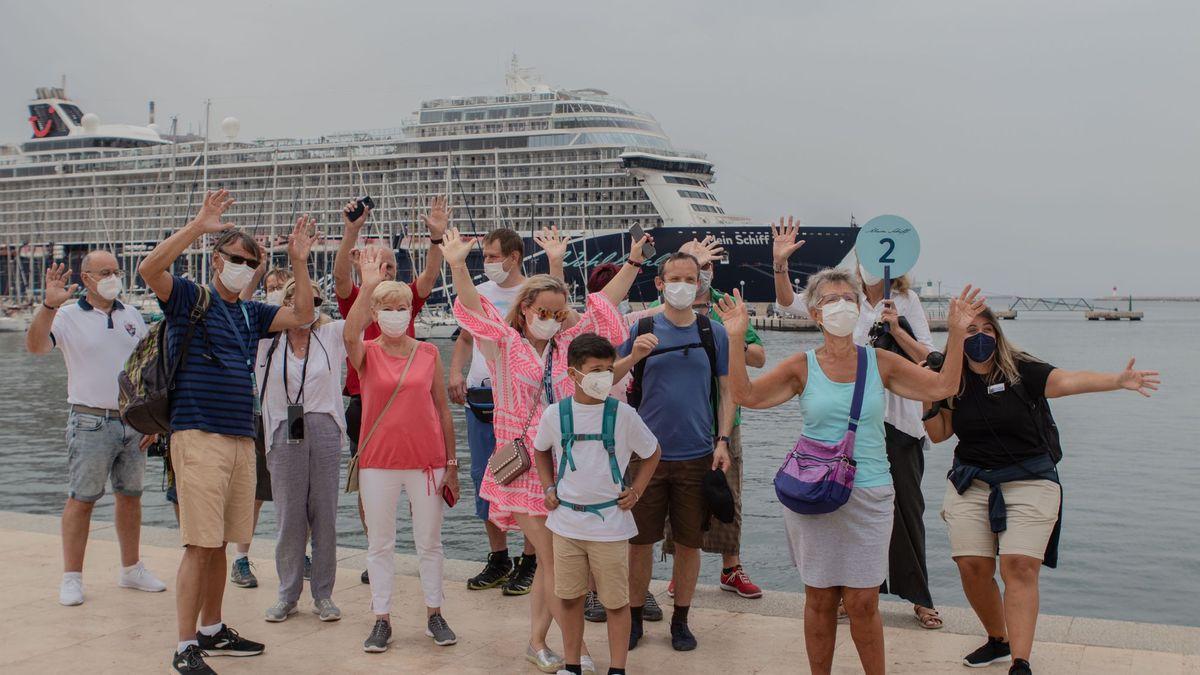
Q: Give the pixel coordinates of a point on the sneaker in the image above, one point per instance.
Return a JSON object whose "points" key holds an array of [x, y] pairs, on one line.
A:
{"points": [[241, 574], [280, 611], [738, 582], [651, 611], [994, 650], [191, 661], [381, 635], [497, 571], [70, 591], [592, 609], [521, 579], [326, 610], [308, 568], [587, 665], [544, 659], [682, 639], [227, 642], [635, 631], [439, 630], [140, 578], [365, 578], [1020, 667], [671, 588]]}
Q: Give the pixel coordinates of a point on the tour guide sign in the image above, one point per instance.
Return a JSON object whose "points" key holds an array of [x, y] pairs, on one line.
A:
{"points": [[887, 247]]}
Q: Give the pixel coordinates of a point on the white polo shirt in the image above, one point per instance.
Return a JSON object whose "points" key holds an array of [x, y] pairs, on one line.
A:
{"points": [[95, 346]]}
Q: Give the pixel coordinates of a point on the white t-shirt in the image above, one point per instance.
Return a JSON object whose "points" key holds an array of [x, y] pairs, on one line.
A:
{"points": [[95, 346], [592, 481], [902, 413], [322, 383], [503, 299]]}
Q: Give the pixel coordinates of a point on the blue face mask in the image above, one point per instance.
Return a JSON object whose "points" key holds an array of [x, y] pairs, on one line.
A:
{"points": [[979, 347]]}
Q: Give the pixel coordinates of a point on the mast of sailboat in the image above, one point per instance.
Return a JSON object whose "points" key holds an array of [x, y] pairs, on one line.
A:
{"points": [[204, 155]]}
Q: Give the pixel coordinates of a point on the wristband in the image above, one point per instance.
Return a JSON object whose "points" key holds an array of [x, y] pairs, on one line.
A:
{"points": [[550, 488], [631, 261], [437, 242], [723, 439], [52, 309]]}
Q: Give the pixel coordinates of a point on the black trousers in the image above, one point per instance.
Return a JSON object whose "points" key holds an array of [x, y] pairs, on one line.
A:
{"points": [[908, 575]]}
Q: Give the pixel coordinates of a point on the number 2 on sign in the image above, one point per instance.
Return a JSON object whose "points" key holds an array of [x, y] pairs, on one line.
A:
{"points": [[887, 258]]}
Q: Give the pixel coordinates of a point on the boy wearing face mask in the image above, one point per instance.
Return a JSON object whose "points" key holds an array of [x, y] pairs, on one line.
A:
{"points": [[588, 502]]}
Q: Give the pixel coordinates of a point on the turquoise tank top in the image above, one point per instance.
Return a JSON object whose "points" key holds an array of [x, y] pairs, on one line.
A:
{"points": [[825, 406]]}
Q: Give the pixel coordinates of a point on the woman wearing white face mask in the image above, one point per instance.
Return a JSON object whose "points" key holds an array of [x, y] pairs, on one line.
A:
{"points": [[841, 550], [528, 354], [407, 445]]}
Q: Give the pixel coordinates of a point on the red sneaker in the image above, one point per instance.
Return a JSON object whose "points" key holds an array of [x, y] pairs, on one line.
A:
{"points": [[737, 582], [671, 587]]}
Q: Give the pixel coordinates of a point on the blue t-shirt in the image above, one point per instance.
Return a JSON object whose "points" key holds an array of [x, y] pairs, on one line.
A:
{"points": [[213, 390], [677, 388]]}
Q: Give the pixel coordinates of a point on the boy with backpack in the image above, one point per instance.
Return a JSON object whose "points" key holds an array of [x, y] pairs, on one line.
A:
{"points": [[585, 443]]}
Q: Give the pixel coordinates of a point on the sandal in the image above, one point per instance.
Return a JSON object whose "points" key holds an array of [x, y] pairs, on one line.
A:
{"points": [[929, 618]]}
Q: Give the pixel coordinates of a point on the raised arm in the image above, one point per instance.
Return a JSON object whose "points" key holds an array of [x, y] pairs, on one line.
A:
{"points": [[371, 264], [618, 287], [907, 379], [1070, 382], [260, 273], [37, 338], [436, 221], [777, 385], [304, 235], [343, 263], [783, 245], [155, 267], [456, 248], [555, 247]]}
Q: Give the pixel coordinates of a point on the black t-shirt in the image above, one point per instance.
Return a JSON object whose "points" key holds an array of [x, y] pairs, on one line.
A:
{"points": [[998, 429]]}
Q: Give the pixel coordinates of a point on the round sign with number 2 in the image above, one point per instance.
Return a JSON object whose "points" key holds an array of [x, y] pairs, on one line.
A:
{"points": [[889, 242]]}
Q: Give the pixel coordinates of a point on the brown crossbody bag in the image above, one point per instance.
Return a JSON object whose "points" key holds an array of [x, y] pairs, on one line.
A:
{"points": [[512, 459]]}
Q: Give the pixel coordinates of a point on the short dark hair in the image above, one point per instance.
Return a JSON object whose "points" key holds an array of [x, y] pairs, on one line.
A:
{"points": [[600, 277], [237, 236], [589, 346], [678, 255], [509, 240]]}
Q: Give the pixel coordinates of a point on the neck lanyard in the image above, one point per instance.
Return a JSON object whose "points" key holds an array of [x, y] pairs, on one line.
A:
{"points": [[303, 372], [547, 377]]}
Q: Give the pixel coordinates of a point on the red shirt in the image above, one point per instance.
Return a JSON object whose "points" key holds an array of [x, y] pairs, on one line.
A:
{"points": [[410, 434], [372, 331]]}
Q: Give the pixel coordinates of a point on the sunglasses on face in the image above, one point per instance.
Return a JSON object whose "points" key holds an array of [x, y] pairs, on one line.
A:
{"points": [[834, 297], [252, 263], [558, 315]]}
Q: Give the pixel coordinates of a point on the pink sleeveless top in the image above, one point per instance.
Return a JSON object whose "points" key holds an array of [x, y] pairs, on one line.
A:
{"points": [[410, 434]]}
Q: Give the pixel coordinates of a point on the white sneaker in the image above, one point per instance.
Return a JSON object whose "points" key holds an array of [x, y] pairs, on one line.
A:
{"points": [[141, 579], [587, 665], [70, 591]]}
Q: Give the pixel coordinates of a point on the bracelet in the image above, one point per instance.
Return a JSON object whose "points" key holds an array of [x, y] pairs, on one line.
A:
{"points": [[631, 261], [436, 241], [52, 309], [779, 269], [550, 488], [453, 461]]}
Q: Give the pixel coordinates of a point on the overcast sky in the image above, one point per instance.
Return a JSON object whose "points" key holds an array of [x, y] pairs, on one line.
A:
{"points": [[1039, 148]]}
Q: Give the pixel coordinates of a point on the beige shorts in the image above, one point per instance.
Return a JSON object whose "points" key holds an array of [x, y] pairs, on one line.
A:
{"points": [[1032, 507], [214, 478], [608, 561]]}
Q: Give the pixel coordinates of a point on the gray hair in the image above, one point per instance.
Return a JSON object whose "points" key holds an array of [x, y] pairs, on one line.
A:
{"points": [[833, 275]]}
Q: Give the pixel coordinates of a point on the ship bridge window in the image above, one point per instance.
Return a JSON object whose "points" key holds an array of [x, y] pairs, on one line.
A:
{"points": [[636, 140], [705, 208], [73, 112], [680, 180], [694, 194]]}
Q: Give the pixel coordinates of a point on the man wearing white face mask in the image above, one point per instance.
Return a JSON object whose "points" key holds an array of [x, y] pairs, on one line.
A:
{"points": [[96, 335]]}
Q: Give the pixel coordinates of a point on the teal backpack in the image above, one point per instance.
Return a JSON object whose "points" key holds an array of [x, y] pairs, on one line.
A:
{"points": [[607, 435]]}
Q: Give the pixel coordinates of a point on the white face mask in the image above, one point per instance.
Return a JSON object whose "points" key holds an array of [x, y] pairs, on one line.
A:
{"points": [[235, 277], [597, 384], [839, 318], [275, 298], [394, 322], [109, 287], [543, 329], [868, 278], [706, 277], [495, 272], [680, 294]]}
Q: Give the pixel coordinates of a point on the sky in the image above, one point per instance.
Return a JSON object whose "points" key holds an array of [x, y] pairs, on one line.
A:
{"points": [[1039, 148]]}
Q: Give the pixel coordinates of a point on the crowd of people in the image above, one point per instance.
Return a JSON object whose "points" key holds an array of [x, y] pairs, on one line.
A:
{"points": [[595, 432]]}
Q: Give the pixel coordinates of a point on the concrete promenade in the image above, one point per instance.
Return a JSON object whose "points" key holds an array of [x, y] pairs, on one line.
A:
{"points": [[124, 631]]}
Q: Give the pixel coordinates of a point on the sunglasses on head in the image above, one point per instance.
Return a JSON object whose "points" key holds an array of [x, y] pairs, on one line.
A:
{"points": [[559, 315], [252, 263]]}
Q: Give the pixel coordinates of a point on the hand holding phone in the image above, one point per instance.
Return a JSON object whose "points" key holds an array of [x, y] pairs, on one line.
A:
{"points": [[635, 234], [361, 204]]}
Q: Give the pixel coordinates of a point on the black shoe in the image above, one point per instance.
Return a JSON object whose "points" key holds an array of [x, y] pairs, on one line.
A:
{"points": [[635, 632], [307, 568], [994, 651], [381, 635], [227, 642], [497, 570], [592, 609], [651, 611], [191, 661], [522, 576], [1020, 667], [365, 578], [682, 639]]}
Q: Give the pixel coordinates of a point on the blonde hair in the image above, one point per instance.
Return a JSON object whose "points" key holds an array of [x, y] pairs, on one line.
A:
{"points": [[289, 291], [1008, 355], [530, 290], [389, 291], [832, 275]]}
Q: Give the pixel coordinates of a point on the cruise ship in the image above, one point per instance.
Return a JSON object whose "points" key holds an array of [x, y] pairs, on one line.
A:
{"points": [[532, 157]]}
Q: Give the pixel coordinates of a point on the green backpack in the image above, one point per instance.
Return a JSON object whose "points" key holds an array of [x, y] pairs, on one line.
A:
{"points": [[608, 436]]}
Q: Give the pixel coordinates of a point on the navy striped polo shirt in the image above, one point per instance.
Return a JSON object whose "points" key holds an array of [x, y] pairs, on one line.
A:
{"points": [[213, 390]]}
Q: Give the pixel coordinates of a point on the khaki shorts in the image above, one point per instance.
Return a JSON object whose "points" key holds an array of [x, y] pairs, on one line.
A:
{"points": [[608, 561], [1032, 513], [214, 480]]}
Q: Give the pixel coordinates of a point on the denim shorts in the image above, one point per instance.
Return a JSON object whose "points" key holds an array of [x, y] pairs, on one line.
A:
{"points": [[100, 449]]}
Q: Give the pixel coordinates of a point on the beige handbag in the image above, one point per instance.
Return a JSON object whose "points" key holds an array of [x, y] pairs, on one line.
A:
{"points": [[512, 459], [352, 467]]}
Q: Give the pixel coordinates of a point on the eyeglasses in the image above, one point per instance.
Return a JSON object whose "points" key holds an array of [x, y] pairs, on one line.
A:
{"points": [[834, 297], [104, 274], [559, 315], [252, 263]]}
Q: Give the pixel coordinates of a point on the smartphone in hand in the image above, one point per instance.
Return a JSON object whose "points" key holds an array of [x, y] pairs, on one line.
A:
{"points": [[636, 233], [361, 204]]}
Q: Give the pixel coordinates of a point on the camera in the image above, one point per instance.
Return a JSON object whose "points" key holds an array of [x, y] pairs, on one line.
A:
{"points": [[159, 448], [934, 361]]}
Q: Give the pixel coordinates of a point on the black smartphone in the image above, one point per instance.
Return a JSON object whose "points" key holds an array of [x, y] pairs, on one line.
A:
{"points": [[295, 423], [636, 233], [361, 204]]}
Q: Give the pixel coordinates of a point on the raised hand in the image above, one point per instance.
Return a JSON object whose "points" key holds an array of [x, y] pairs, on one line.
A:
{"points": [[372, 264], [456, 247], [705, 250], [214, 206], [784, 242], [57, 291], [304, 235], [1141, 381], [635, 249], [733, 313], [553, 243], [438, 218], [643, 345], [357, 223], [964, 309]]}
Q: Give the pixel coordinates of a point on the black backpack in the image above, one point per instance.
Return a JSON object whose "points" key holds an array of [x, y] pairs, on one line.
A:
{"points": [[707, 342], [1042, 419]]}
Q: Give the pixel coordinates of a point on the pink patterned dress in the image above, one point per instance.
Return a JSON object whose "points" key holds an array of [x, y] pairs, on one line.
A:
{"points": [[517, 384]]}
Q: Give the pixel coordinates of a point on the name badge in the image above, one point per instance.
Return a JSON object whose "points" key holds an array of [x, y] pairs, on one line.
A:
{"points": [[996, 388]]}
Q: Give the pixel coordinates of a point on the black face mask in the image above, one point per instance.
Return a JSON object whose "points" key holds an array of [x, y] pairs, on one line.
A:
{"points": [[979, 347]]}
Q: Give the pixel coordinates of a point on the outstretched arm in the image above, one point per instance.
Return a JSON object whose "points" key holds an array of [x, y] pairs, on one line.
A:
{"points": [[783, 245], [154, 268], [775, 387], [37, 338], [300, 244], [905, 378], [555, 246], [436, 221], [343, 263], [371, 264], [456, 247], [618, 287], [1070, 382]]}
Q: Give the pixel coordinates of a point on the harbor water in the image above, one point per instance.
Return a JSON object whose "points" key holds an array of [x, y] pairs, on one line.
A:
{"points": [[1131, 537]]}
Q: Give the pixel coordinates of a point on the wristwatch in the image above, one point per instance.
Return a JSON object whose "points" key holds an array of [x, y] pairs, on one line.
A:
{"points": [[550, 488], [724, 439], [453, 461]]}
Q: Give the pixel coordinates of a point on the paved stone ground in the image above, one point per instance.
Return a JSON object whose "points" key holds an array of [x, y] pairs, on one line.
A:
{"points": [[124, 631]]}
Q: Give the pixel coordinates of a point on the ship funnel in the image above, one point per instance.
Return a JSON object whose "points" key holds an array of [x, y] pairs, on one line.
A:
{"points": [[230, 126], [91, 123]]}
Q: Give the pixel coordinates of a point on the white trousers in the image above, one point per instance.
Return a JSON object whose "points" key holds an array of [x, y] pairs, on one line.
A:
{"points": [[380, 491]]}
